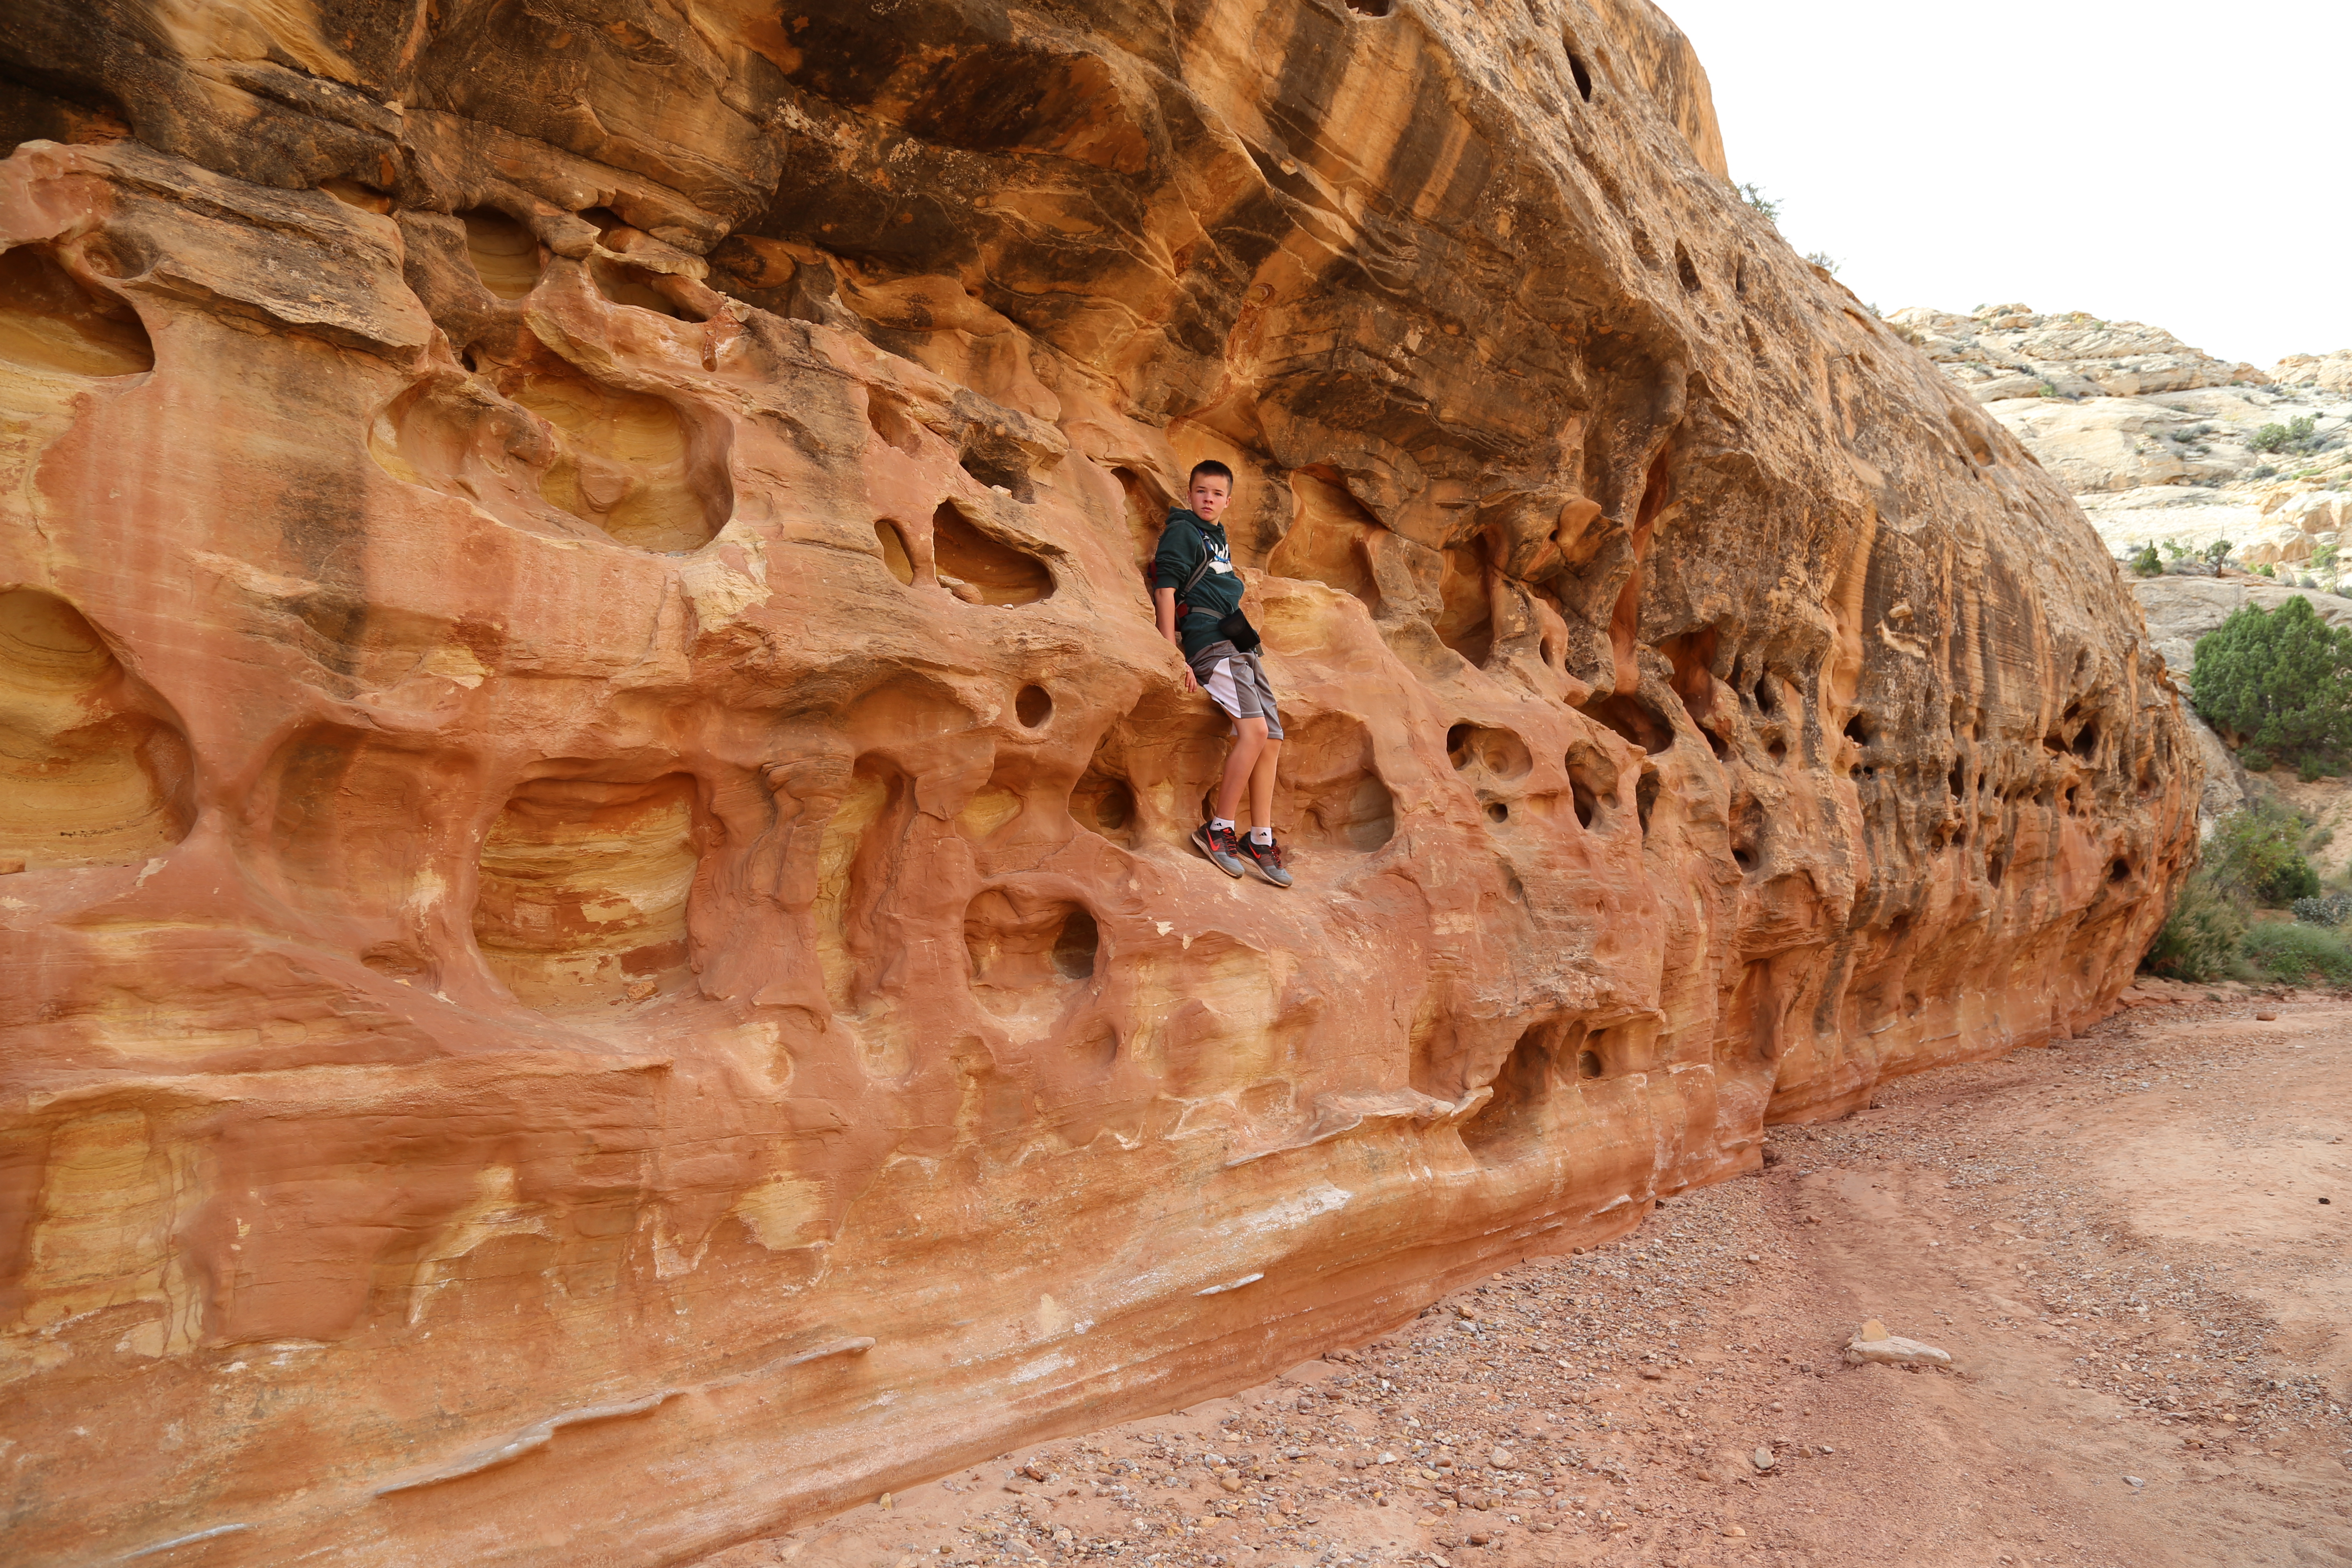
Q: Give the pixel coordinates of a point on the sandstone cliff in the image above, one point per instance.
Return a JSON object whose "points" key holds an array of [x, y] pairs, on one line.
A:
{"points": [[600, 954]]}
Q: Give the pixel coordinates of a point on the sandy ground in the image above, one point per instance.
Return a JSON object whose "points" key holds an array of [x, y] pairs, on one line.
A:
{"points": [[2133, 1245]]}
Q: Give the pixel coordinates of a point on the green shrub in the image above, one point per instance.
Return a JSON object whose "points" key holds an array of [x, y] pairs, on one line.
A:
{"points": [[2280, 678], [2199, 941], [2312, 768], [2297, 434], [2326, 910], [2145, 562], [2294, 953], [1753, 195], [2256, 853], [2253, 759], [2175, 551], [2265, 569], [2218, 551]]}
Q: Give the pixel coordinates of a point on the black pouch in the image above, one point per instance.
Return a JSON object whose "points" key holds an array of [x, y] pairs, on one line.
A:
{"points": [[1235, 629]]}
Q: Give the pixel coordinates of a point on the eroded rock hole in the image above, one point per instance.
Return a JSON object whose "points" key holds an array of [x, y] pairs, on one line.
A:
{"points": [[1767, 696], [1372, 8], [1033, 707], [1633, 719], [1498, 752], [1000, 465], [333, 790], [353, 194], [1589, 1064], [51, 325], [1466, 620], [1497, 812], [1076, 945], [505, 254], [2086, 739], [1685, 270], [1024, 945], [991, 807], [1776, 749], [1510, 1125], [1592, 781], [637, 287], [2121, 872], [584, 884], [1330, 539], [895, 553], [1746, 832], [892, 422], [1145, 505], [1646, 800], [1104, 805], [1576, 67], [1360, 814], [1332, 787], [981, 569], [86, 776], [628, 462], [1860, 731]]}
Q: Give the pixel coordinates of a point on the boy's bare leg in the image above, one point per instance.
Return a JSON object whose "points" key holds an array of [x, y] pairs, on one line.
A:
{"points": [[1248, 744], [1261, 784]]}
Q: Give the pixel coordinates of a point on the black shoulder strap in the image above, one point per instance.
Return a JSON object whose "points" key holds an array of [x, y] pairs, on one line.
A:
{"points": [[1185, 592]]}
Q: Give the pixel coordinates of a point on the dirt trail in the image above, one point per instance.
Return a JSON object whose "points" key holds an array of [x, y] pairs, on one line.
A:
{"points": [[2133, 1245]]}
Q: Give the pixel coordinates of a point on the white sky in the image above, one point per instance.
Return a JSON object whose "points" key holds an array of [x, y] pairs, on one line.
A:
{"points": [[2185, 165]]}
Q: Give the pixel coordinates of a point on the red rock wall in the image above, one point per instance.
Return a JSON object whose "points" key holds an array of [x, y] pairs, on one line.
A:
{"points": [[600, 954]]}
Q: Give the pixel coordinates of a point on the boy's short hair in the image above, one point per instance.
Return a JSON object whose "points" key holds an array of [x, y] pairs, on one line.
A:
{"points": [[1213, 469]]}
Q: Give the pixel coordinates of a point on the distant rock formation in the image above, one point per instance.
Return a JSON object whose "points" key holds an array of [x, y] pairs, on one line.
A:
{"points": [[2323, 372], [600, 952], [2008, 351], [2163, 444]]}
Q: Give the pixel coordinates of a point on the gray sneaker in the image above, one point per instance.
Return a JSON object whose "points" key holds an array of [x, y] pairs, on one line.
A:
{"points": [[1219, 844], [1266, 859]]}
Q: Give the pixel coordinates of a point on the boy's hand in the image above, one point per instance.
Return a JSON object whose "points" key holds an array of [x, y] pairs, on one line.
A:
{"points": [[1190, 683]]}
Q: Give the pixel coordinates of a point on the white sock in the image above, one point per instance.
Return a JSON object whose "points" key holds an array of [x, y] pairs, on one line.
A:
{"points": [[1224, 824], [1261, 834]]}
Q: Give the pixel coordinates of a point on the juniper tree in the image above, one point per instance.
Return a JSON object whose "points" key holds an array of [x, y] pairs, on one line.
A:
{"points": [[2279, 680]]}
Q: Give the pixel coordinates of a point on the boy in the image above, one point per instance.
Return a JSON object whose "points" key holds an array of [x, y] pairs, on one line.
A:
{"points": [[1194, 562]]}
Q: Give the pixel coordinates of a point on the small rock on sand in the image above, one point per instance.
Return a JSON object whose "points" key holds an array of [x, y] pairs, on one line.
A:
{"points": [[1872, 1343]]}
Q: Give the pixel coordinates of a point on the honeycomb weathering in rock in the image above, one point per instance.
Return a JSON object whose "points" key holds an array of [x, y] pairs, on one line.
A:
{"points": [[593, 812]]}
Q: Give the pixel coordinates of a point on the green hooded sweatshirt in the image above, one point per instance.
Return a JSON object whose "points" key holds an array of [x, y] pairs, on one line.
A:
{"points": [[1183, 545]]}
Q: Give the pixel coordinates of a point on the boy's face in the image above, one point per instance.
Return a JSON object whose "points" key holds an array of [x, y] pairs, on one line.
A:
{"points": [[1210, 494]]}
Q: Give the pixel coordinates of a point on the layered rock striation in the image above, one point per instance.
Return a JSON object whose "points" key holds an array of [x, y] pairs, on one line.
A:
{"points": [[599, 950]]}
